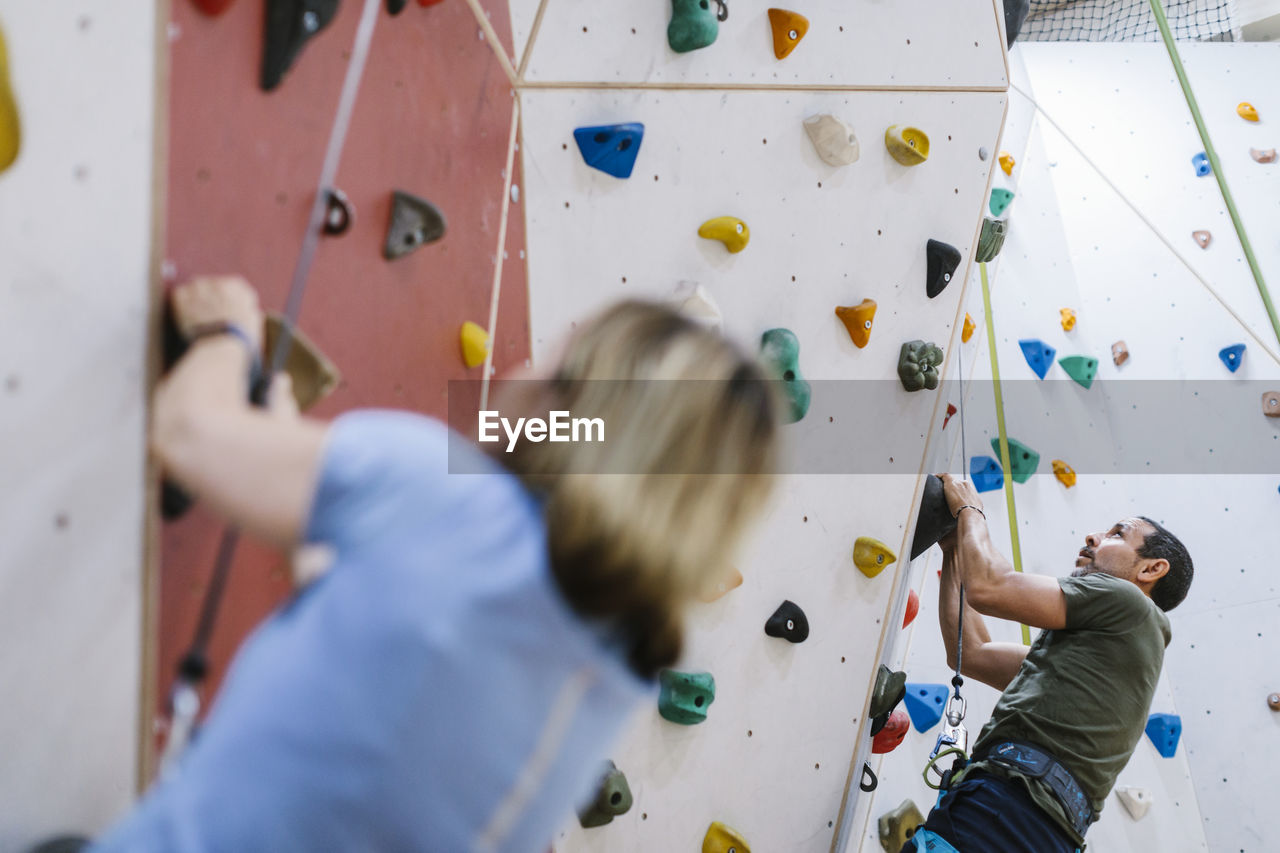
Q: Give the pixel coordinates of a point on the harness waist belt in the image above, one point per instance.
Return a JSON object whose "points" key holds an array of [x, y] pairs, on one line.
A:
{"points": [[1038, 764]]}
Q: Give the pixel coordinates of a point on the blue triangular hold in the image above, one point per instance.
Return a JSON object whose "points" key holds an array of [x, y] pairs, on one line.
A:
{"points": [[986, 474], [1163, 729], [1232, 356], [1039, 355], [925, 703], [611, 148]]}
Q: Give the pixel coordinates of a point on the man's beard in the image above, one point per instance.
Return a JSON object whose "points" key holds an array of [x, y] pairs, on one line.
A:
{"points": [[1081, 571]]}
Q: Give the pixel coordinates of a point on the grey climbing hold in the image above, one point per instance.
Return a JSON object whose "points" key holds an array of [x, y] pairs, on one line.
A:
{"points": [[613, 798], [415, 222]]}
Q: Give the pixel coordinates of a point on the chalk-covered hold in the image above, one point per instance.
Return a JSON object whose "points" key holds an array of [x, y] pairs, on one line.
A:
{"points": [[611, 148], [1038, 354], [908, 145], [872, 556], [1136, 801], [780, 352], [925, 703], [857, 321], [941, 260], [1164, 731], [729, 230], [684, 697], [834, 140]]}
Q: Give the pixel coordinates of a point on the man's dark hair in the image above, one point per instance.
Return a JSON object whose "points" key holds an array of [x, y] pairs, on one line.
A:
{"points": [[1160, 544]]}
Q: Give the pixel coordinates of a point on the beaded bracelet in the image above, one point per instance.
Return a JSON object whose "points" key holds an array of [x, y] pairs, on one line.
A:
{"points": [[969, 506]]}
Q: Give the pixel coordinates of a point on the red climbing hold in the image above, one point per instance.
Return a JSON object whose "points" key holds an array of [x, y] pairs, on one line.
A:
{"points": [[888, 738], [213, 7], [913, 607], [951, 410]]}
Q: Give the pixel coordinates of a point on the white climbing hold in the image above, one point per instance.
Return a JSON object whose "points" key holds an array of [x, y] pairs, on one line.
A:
{"points": [[1136, 801], [693, 301]]}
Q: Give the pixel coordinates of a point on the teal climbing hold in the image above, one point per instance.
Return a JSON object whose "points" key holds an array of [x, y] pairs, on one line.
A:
{"points": [[685, 696], [918, 365], [611, 148], [1022, 459], [693, 25], [986, 474], [780, 351], [1000, 200], [1038, 354], [925, 704], [1232, 356], [1164, 731], [1081, 368]]}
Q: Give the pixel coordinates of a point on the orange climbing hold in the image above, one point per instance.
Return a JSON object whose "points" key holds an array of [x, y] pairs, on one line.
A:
{"points": [[732, 580], [788, 28], [857, 320], [1247, 111], [1065, 473], [1068, 319], [1007, 162], [969, 327]]}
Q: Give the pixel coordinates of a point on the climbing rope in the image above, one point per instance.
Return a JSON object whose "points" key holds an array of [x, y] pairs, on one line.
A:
{"points": [[193, 668]]}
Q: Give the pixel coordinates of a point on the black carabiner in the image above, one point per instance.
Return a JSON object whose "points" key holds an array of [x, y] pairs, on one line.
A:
{"points": [[863, 784]]}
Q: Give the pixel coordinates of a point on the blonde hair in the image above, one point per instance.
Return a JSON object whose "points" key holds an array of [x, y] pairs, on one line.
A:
{"points": [[642, 523]]}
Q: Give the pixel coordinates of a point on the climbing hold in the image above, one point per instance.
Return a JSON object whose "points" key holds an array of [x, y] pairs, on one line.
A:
{"points": [[888, 738], [1000, 199], [732, 580], [1202, 238], [889, 689], [730, 230], [1246, 111], [857, 320], [1039, 355], [941, 260], [788, 28], [918, 365], [1081, 368], [788, 622], [983, 153], [986, 474], [613, 798], [925, 703], [10, 127], [475, 344], [1022, 459], [834, 140], [290, 25], [339, 212], [780, 351], [693, 25], [1263, 155], [1201, 162], [723, 839], [1232, 356], [312, 376], [414, 222], [1271, 404], [934, 519], [951, 410], [1065, 473], [684, 697], [395, 7], [908, 145], [698, 305], [991, 239], [1119, 353], [1007, 162], [871, 555], [611, 148], [214, 7], [1273, 701], [1136, 801], [913, 608], [1164, 731], [967, 331], [896, 827], [1068, 319]]}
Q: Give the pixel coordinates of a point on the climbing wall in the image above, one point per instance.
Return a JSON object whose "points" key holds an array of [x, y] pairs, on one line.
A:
{"points": [[724, 136], [1078, 240], [75, 234]]}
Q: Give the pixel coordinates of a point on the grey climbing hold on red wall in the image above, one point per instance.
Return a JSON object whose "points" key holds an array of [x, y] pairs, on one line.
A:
{"points": [[415, 222]]}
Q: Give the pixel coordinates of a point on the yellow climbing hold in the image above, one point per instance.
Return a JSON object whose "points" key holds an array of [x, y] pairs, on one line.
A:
{"points": [[908, 145], [475, 344], [788, 28], [871, 556], [969, 327], [723, 839], [857, 320], [897, 826], [730, 230], [1068, 319], [1246, 111], [1007, 162], [10, 130], [1065, 473]]}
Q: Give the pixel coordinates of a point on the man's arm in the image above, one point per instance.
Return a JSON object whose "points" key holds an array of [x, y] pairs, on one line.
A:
{"points": [[991, 663], [991, 584]]}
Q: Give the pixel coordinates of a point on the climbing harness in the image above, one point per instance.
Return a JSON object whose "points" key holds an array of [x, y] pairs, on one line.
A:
{"points": [[330, 213]]}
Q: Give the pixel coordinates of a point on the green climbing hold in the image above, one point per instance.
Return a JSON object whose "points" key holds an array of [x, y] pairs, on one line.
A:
{"points": [[685, 696], [693, 25], [780, 351], [1081, 368], [991, 240], [1000, 200], [613, 798], [890, 688], [1022, 459], [918, 365]]}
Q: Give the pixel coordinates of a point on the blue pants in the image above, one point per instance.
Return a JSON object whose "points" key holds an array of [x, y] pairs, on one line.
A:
{"points": [[988, 814]]}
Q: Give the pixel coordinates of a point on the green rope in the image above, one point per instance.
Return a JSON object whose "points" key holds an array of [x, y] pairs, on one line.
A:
{"points": [[1004, 438], [1163, 23]]}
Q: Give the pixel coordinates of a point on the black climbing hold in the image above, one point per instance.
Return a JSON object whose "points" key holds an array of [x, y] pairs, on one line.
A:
{"points": [[62, 844], [395, 7], [415, 222], [868, 774], [290, 25], [934, 520], [339, 214], [943, 259], [788, 622], [613, 798]]}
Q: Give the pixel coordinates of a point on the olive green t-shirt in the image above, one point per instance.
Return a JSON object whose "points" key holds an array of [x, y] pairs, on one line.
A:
{"points": [[1084, 692]]}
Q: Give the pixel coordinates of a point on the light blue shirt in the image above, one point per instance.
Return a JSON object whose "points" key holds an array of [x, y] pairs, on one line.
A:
{"points": [[432, 691]]}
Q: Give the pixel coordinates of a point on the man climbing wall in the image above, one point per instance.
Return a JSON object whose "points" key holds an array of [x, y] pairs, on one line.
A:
{"points": [[1073, 704]]}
